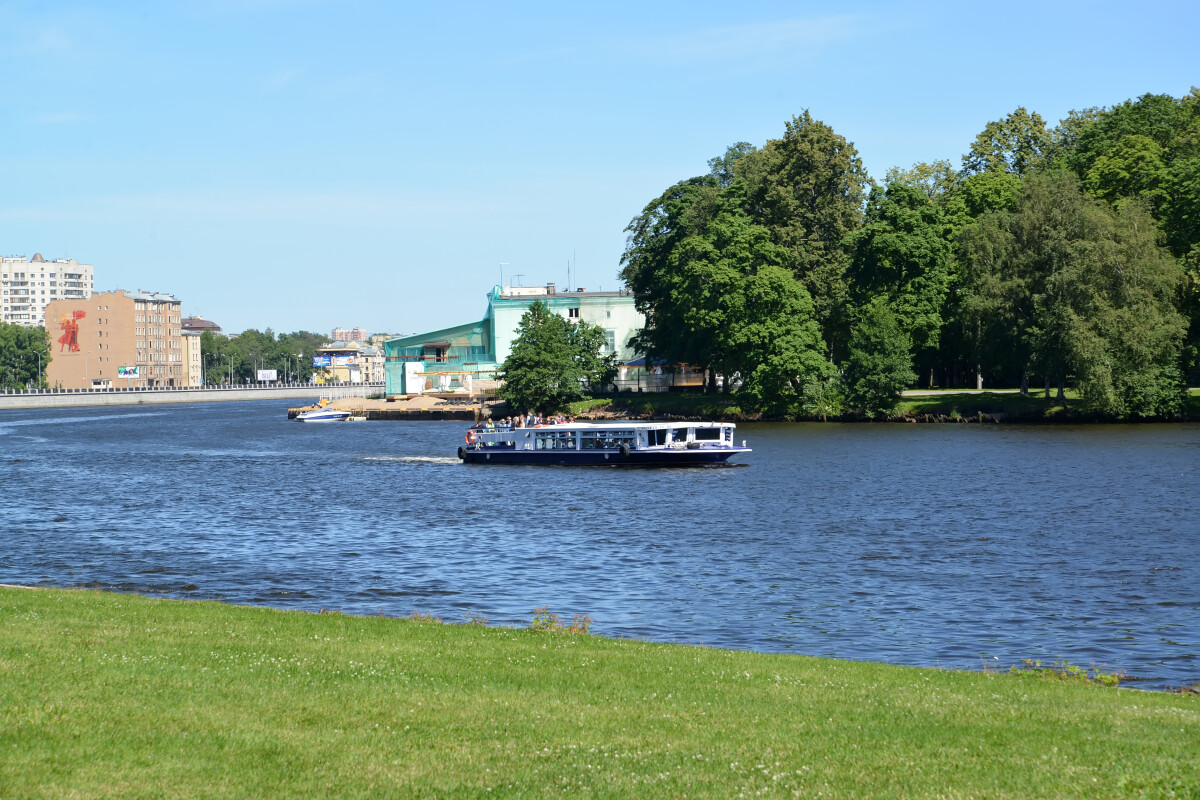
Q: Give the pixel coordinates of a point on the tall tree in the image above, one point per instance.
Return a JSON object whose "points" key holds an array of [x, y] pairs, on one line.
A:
{"points": [[23, 351], [807, 189], [650, 267], [544, 371], [879, 364], [1019, 143], [901, 253], [722, 167]]}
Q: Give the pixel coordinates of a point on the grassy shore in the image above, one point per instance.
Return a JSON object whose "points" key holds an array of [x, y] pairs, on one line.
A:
{"points": [[950, 406], [108, 695]]}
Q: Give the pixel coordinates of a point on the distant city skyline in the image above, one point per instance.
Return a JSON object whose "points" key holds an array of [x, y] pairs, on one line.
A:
{"points": [[304, 165]]}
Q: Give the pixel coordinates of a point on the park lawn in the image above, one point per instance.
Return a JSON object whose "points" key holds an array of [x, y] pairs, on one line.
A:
{"points": [[115, 695], [1032, 407], [694, 405]]}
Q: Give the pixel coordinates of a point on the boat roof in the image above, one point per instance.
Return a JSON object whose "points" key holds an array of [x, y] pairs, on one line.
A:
{"points": [[624, 425]]}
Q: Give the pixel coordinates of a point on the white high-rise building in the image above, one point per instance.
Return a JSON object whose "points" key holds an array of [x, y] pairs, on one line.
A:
{"points": [[27, 285]]}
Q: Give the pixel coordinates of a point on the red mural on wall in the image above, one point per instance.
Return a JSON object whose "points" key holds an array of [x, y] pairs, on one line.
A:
{"points": [[70, 325]]}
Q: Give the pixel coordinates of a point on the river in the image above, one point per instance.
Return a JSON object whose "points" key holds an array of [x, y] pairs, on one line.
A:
{"points": [[950, 545]]}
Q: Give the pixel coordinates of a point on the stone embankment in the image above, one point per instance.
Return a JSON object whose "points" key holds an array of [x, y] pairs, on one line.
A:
{"points": [[134, 397]]}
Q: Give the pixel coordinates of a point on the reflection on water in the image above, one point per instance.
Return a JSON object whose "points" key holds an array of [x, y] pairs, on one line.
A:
{"points": [[910, 544]]}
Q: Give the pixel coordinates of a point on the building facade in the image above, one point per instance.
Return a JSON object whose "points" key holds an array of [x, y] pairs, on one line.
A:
{"points": [[456, 358], [28, 285], [349, 335], [349, 362], [199, 324], [116, 339], [191, 358]]}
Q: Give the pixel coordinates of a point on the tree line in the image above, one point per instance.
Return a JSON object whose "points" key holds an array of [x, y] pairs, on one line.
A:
{"points": [[24, 354], [238, 359], [1065, 256]]}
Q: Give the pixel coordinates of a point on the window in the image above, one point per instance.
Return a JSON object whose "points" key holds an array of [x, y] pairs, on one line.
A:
{"points": [[573, 313], [610, 341]]}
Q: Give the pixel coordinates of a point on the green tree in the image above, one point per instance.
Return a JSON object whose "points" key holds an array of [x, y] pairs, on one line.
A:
{"points": [[587, 343], [1019, 143], [722, 167], [650, 268], [937, 180], [807, 188], [901, 253], [21, 348], [879, 364], [543, 371]]}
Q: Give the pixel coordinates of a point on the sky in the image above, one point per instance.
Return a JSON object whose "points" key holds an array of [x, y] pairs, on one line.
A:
{"points": [[301, 165]]}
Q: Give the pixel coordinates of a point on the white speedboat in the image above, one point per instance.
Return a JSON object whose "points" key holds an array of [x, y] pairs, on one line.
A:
{"points": [[323, 413], [631, 443]]}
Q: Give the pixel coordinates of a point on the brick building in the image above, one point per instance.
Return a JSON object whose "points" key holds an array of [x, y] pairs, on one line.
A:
{"points": [[116, 339]]}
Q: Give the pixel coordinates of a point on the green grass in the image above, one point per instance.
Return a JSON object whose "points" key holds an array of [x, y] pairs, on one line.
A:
{"points": [[107, 695], [1031, 408], [694, 405]]}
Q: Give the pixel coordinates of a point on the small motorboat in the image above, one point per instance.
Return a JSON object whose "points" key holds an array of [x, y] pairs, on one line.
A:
{"points": [[323, 413]]}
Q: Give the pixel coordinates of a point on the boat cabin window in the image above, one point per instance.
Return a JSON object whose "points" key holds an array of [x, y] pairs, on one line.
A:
{"points": [[708, 434], [656, 438], [727, 434], [679, 434], [605, 440], [554, 440]]}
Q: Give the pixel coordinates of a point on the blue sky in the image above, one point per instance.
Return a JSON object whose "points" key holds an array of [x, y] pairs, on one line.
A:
{"points": [[304, 165]]}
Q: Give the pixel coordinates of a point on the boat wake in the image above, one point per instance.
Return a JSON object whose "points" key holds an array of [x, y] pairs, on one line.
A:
{"points": [[416, 459]]}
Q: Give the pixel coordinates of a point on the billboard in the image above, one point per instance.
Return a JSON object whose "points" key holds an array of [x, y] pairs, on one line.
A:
{"points": [[344, 361], [322, 361], [265, 375], [129, 372]]}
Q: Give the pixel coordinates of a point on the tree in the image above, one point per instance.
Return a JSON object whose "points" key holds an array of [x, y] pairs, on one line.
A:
{"points": [[1019, 143], [879, 365], [901, 254], [543, 372], [650, 267], [1081, 292], [807, 189], [722, 167], [937, 180], [23, 351]]}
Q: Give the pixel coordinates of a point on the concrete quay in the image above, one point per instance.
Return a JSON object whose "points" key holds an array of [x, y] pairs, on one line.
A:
{"points": [[84, 398]]}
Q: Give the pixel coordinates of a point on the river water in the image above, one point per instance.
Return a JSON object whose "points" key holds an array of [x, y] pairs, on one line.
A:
{"points": [[949, 545]]}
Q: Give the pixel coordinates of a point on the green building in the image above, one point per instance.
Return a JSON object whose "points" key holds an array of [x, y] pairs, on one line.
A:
{"points": [[452, 358]]}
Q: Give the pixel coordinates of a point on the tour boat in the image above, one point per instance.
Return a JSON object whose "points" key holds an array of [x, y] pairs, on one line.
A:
{"points": [[617, 443]]}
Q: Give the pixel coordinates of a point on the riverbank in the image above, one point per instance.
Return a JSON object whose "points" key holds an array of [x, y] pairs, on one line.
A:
{"points": [[123, 396], [948, 406], [111, 695]]}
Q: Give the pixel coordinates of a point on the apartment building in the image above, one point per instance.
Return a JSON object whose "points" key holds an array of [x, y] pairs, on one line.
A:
{"points": [[193, 369], [349, 335], [116, 339], [27, 285]]}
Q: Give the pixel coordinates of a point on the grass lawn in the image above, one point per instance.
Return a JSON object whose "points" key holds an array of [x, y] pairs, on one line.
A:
{"points": [[109, 695]]}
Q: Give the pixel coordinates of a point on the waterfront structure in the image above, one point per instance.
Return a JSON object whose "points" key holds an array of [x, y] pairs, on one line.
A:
{"points": [[27, 285], [350, 362], [350, 335], [456, 358], [115, 339], [193, 371], [199, 324]]}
